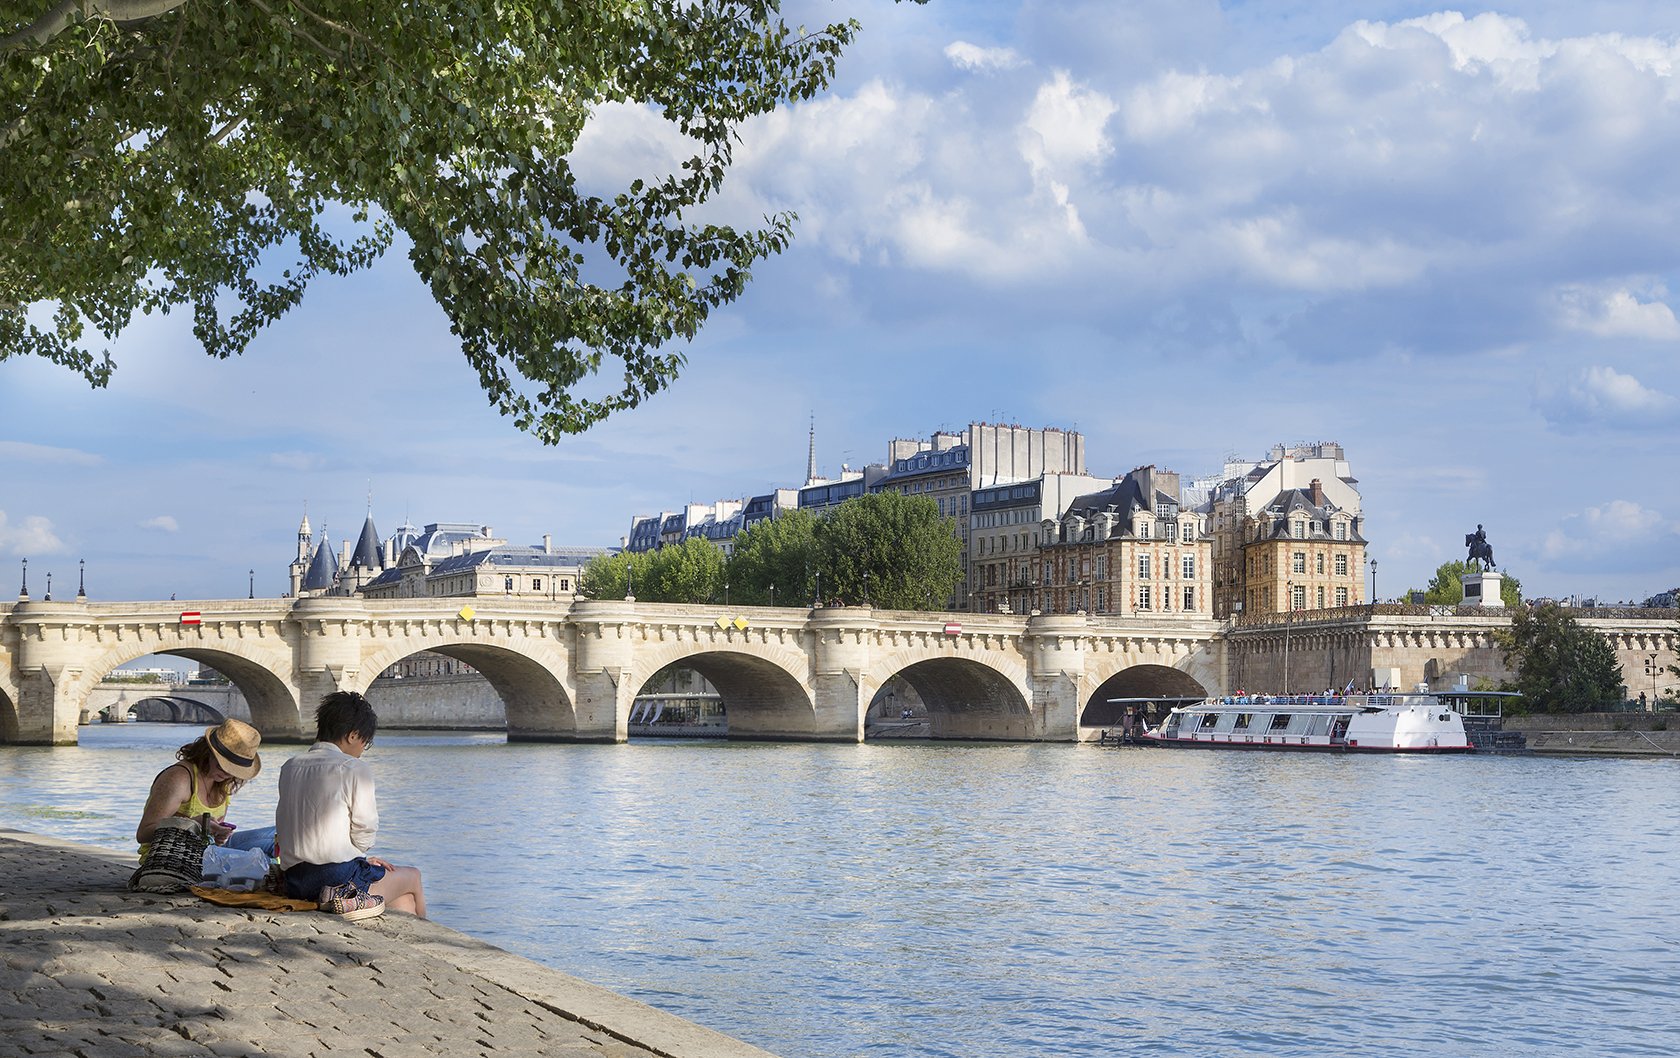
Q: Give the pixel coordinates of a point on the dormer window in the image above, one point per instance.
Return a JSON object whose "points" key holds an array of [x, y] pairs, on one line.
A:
{"points": [[1143, 530]]}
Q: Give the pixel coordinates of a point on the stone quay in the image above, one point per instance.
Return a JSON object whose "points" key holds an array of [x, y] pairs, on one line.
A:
{"points": [[91, 970]]}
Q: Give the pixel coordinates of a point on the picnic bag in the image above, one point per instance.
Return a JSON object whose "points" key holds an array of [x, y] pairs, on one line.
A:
{"points": [[175, 859]]}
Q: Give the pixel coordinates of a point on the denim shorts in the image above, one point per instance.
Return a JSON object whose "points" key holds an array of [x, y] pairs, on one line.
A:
{"points": [[304, 881]]}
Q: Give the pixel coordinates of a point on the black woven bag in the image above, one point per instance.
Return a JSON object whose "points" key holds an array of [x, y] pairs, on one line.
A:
{"points": [[175, 859]]}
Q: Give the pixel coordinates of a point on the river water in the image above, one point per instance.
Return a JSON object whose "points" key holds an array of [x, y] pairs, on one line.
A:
{"points": [[834, 901]]}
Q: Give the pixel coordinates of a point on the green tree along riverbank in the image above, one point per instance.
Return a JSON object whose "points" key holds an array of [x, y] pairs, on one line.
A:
{"points": [[883, 549], [1561, 665]]}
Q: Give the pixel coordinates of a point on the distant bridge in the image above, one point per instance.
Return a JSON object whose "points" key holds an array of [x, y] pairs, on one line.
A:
{"points": [[570, 671]]}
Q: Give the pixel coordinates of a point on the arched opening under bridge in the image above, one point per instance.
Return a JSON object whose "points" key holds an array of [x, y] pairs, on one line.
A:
{"points": [[170, 709], [472, 686], [721, 694], [273, 707], [965, 699], [1144, 692]]}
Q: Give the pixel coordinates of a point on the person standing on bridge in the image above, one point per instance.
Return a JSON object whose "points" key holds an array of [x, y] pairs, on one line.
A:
{"points": [[327, 819]]}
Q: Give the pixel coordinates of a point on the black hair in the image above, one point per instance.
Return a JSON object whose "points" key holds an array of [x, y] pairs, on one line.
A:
{"points": [[342, 713]]}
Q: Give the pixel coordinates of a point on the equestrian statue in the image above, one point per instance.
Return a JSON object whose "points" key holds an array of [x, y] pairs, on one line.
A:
{"points": [[1480, 550]]}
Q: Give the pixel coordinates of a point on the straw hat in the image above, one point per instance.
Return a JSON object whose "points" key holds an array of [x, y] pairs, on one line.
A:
{"points": [[234, 745]]}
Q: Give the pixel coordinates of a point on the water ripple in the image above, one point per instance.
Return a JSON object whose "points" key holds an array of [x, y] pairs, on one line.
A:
{"points": [[995, 901]]}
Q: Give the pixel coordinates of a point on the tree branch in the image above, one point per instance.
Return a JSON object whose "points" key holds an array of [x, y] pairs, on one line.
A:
{"points": [[60, 16]]}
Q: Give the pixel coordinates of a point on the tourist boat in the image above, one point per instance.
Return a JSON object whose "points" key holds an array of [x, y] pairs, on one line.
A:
{"points": [[1422, 722]]}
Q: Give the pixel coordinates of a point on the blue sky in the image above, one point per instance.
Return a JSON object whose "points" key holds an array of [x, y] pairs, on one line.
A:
{"points": [[1447, 238]]}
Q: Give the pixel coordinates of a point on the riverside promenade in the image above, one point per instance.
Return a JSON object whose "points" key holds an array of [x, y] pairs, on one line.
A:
{"points": [[90, 970]]}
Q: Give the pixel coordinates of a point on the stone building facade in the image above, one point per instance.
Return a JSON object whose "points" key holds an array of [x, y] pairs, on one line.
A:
{"points": [[1237, 511], [1303, 552], [1134, 549]]}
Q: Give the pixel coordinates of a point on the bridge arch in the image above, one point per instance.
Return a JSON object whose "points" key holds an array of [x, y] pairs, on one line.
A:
{"points": [[535, 699], [273, 703], [763, 696], [172, 709], [1138, 682], [966, 698]]}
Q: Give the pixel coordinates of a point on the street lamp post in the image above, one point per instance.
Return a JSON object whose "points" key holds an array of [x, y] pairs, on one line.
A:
{"points": [[1373, 582], [772, 595], [48, 596], [629, 580], [23, 592], [81, 580], [1651, 670], [726, 594], [252, 574], [818, 600], [866, 601], [1288, 619]]}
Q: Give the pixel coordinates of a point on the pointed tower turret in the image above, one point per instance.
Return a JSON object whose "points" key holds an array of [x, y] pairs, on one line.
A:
{"points": [[811, 454], [323, 568]]}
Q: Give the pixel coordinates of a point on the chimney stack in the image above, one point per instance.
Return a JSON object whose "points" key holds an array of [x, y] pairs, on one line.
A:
{"points": [[1317, 492]]}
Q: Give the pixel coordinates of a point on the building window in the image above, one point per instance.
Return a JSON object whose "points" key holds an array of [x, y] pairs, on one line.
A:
{"points": [[1298, 597], [1320, 562], [1102, 598], [1143, 567], [1143, 530], [1072, 569], [1102, 567], [507, 584], [1189, 599], [1298, 562], [1341, 597], [1341, 530], [1321, 596], [1189, 567], [1143, 597], [1341, 565], [1187, 532], [1048, 577], [536, 584]]}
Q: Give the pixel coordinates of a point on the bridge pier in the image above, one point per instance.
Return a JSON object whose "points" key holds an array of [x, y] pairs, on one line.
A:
{"points": [[49, 661]]}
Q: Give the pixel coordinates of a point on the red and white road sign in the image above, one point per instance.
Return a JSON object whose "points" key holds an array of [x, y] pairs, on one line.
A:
{"points": [[952, 628], [191, 617]]}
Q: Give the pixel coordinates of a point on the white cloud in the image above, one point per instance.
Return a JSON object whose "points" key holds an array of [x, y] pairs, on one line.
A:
{"points": [[1601, 396], [24, 452], [34, 535], [163, 522], [1618, 531], [1618, 313], [974, 58]]}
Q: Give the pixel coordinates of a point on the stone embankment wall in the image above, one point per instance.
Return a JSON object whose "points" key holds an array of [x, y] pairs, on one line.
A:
{"points": [[459, 702], [1632, 734]]}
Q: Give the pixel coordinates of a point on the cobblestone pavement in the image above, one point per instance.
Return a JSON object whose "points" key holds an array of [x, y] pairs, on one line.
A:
{"points": [[90, 970]]}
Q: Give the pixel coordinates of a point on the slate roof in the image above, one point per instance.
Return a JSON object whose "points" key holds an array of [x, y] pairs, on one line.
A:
{"points": [[368, 554], [323, 568]]}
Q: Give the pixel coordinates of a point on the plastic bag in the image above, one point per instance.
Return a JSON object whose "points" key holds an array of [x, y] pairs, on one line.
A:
{"points": [[240, 870]]}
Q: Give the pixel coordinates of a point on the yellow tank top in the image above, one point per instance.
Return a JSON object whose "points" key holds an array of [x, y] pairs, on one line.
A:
{"points": [[192, 807]]}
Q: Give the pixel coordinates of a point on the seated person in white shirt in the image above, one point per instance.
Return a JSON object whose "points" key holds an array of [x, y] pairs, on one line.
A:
{"points": [[327, 818]]}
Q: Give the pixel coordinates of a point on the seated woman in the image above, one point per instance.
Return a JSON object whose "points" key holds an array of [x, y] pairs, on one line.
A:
{"points": [[206, 774]]}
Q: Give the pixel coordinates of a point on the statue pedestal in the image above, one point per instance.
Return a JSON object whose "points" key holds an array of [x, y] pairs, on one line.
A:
{"points": [[1484, 589]]}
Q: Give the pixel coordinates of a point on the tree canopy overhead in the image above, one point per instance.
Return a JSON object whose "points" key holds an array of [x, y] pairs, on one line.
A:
{"points": [[161, 154], [1562, 666]]}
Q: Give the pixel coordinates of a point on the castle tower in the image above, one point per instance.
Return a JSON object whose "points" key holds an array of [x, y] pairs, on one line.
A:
{"points": [[300, 564]]}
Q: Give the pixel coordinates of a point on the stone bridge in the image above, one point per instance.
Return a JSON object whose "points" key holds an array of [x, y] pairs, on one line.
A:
{"points": [[570, 671]]}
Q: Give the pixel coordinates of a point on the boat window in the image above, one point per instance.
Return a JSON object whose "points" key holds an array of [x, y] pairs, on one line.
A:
{"points": [[1319, 725], [1243, 720], [1209, 720], [1280, 721]]}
